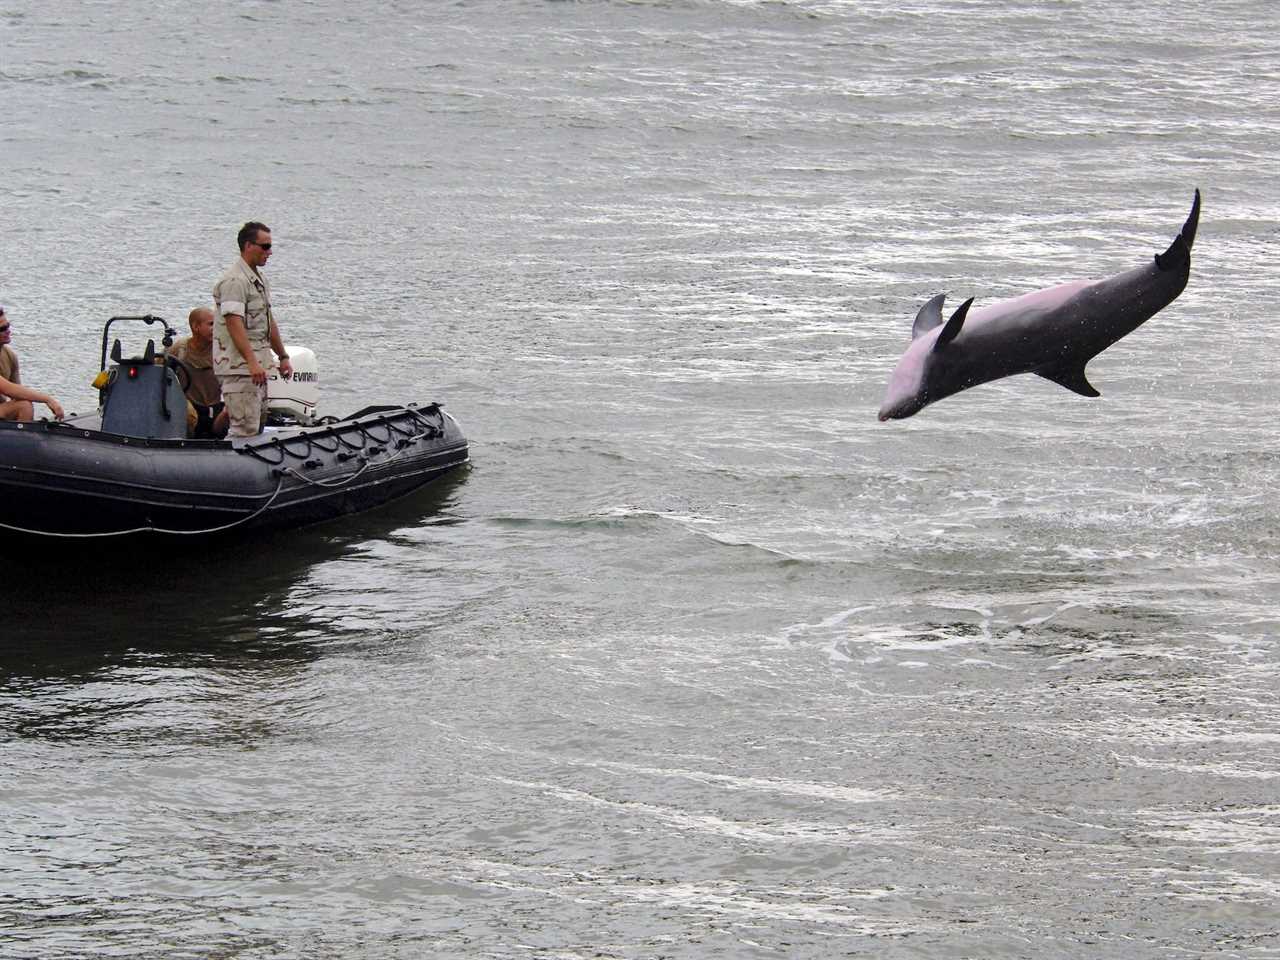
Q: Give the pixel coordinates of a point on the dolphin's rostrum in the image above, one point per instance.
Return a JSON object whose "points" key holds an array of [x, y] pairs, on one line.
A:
{"points": [[1052, 332]]}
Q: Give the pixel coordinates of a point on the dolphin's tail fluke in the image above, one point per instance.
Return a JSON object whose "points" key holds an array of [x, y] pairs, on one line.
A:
{"points": [[1193, 220], [1178, 256]]}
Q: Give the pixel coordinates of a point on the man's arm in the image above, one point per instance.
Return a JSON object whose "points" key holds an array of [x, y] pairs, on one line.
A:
{"points": [[239, 337], [16, 391], [277, 344]]}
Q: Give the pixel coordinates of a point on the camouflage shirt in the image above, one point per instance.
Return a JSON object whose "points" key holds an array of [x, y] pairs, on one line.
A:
{"points": [[242, 291]]}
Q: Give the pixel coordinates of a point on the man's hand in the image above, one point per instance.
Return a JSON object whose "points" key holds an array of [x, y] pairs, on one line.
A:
{"points": [[257, 373], [286, 368], [55, 408]]}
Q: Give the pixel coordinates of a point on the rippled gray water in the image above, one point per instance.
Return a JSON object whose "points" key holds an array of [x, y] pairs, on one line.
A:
{"points": [[698, 659]]}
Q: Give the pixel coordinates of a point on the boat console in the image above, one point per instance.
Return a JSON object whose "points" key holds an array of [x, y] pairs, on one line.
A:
{"points": [[143, 397]]}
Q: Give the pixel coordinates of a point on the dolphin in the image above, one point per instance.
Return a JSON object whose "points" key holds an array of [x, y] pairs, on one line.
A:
{"points": [[1052, 332]]}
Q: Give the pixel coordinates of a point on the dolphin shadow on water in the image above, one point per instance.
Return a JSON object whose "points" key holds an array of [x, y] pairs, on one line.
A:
{"points": [[1052, 333]]}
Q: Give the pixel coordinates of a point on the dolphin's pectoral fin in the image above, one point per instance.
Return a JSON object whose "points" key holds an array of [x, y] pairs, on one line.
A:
{"points": [[1072, 377], [952, 329], [930, 316]]}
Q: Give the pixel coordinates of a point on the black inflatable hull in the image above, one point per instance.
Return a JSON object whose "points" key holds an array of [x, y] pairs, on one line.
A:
{"points": [[70, 480]]}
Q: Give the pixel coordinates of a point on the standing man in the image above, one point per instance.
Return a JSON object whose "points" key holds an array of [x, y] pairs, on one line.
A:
{"points": [[204, 393], [245, 333], [16, 401]]}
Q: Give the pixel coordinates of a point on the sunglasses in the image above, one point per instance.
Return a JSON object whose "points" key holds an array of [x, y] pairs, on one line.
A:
{"points": [[264, 246], [4, 329]]}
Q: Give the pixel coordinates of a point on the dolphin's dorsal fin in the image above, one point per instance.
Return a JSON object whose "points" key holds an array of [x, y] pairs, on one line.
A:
{"points": [[930, 316], [1072, 377], [952, 329]]}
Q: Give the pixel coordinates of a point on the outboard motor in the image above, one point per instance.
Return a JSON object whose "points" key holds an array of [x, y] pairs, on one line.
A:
{"points": [[294, 402], [142, 398]]}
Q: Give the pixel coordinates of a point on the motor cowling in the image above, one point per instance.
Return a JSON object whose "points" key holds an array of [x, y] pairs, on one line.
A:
{"points": [[295, 400]]}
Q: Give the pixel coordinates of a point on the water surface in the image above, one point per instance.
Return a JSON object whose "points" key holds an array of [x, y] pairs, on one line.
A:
{"points": [[697, 659]]}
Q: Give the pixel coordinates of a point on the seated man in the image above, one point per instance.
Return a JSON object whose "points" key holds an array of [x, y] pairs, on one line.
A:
{"points": [[16, 401], [204, 393], [8, 359]]}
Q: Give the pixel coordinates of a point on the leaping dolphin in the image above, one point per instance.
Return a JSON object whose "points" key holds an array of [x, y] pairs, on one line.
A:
{"points": [[1052, 332]]}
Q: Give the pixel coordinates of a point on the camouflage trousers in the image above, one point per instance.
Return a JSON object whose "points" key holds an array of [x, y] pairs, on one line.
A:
{"points": [[246, 405]]}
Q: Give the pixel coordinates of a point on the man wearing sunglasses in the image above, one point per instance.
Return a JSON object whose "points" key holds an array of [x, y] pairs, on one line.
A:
{"points": [[16, 401], [245, 333], [8, 358]]}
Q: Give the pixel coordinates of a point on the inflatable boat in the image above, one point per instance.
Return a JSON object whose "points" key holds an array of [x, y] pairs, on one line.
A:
{"points": [[129, 469]]}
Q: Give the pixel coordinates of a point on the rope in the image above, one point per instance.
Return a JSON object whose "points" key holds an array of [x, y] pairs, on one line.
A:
{"points": [[280, 444], [341, 437], [153, 529], [329, 483], [253, 452], [284, 445], [382, 423], [434, 428]]}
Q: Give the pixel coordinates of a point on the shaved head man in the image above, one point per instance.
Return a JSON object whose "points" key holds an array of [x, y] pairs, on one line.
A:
{"points": [[204, 393]]}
